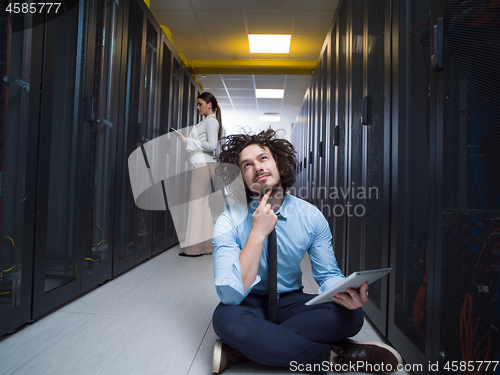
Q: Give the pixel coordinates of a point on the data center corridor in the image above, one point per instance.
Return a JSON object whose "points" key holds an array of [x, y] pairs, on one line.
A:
{"points": [[154, 319]]}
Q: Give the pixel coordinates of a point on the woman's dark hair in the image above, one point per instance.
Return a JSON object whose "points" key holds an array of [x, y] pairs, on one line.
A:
{"points": [[283, 153], [210, 98]]}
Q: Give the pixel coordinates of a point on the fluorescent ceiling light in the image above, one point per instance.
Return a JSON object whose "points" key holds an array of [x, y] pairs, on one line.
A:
{"points": [[269, 93], [269, 43], [270, 118]]}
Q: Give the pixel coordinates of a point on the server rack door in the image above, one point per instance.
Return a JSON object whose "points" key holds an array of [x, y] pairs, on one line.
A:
{"points": [[352, 211], [165, 108], [467, 220], [175, 123], [314, 129], [161, 241], [308, 144], [16, 176], [343, 141], [186, 96], [60, 164], [334, 154], [100, 141], [376, 138], [131, 227], [323, 147], [410, 230], [147, 235], [192, 105]]}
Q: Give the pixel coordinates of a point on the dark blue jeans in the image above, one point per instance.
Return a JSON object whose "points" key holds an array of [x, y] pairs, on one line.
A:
{"points": [[301, 335]]}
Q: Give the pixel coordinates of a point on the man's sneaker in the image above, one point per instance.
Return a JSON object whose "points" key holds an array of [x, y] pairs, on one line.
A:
{"points": [[225, 356], [373, 357]]}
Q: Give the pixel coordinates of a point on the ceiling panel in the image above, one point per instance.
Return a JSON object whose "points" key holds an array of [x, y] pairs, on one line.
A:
{"points": [[218, 29], [223, 101], [190, 43], [242, 93], [230, 55], [303, 56], [270, 22], [310, 23], [236, 76], [320, 5], [215, 4], [269, 76], [222, 21], [269, 110], [270, 84], [212, 83], [218, 93], [271, 56], [179, 22], [269, 102], [228, 43], [307, 43], [270, 4], [243, 101], [239, 84], [197, 55], [170, 5]]}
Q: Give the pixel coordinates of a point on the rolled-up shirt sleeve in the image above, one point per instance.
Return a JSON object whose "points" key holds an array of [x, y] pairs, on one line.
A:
{"points": [[227, 271], [323, 263], [212, 129]]}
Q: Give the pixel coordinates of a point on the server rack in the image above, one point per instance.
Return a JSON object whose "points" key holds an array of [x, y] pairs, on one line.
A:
{"points": [[415, 92], [100, 134], [60, 164], [80, 93], [18, 94]]}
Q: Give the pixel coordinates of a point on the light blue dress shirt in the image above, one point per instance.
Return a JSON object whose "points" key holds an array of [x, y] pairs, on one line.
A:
{"points": [[301, 227]]}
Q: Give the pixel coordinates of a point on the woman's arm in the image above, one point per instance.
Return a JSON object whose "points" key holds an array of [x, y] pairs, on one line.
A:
{"points": [[212, 130]]}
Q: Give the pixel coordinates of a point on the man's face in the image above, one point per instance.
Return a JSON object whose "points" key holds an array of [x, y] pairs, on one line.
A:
{"points": [[259, 169]]}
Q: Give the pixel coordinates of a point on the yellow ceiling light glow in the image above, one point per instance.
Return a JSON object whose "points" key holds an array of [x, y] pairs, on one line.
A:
{"points": [[269, 93], [260, 43], [270, 118]]}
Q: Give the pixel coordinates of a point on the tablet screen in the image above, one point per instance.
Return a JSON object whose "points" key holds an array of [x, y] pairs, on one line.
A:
{"points": [[354, 280]]}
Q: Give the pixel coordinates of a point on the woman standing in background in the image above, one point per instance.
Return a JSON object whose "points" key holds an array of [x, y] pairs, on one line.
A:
{"points": [[201, 144]]}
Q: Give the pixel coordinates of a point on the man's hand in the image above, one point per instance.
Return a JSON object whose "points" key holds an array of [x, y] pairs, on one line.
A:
{"points": [[263, 222], [264, 219], [352, 299], [184, 140]]}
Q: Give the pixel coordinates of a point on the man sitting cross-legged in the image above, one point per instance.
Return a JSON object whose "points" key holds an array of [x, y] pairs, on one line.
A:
{"points": [[310, 338]]}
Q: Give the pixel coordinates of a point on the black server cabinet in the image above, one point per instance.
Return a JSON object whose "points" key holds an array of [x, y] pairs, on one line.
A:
{"points": [[152, 120], [341, 156], [445, 164], [375, 121], [468, 183], [132, 225], [18, 141], [349, 179], [60, 210], [101, 98], [354, 135], [164, 227], [411, 236], [367, 209]]}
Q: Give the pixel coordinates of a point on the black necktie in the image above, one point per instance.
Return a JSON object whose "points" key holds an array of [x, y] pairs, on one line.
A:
{"points": [[272, 253]]}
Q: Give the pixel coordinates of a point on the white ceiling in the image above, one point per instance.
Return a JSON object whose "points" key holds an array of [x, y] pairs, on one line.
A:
{"points": [[218, 29]]}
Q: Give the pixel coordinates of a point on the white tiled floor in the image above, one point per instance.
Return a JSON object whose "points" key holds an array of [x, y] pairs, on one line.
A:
{"points": [[154, 319]]}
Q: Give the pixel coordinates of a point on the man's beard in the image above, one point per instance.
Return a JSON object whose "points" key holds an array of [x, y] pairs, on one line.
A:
{"points": [[261, 193]]}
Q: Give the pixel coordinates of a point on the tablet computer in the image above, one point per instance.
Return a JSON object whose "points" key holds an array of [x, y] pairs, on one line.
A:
{"points": [[176, 132], [354, 280]]}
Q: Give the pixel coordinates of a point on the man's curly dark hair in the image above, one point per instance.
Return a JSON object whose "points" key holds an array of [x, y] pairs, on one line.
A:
{"points": [[283, 153]]}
